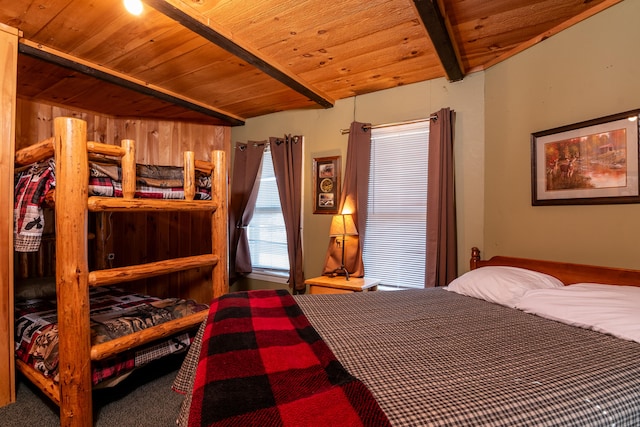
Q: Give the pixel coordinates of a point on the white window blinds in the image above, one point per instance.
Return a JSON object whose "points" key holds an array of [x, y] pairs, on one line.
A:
{"points": [[395, 243], [266, 232]]}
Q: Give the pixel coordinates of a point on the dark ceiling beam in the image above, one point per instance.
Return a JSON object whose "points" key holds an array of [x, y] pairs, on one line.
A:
{"points": [[436, 26], [197, 24], [38, 51]]}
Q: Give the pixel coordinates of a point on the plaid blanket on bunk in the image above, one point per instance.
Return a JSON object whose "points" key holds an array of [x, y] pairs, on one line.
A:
{"points": [[31, 186], [114, 313], [263, 364]]}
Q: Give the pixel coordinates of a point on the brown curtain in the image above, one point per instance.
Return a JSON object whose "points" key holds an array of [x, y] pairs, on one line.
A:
{"points": [[245, 182], [442, 252], [353, 201], [287, 165]]}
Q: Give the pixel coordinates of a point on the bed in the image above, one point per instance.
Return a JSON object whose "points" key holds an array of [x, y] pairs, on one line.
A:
{"points": [[472, 354], [77, 176]]}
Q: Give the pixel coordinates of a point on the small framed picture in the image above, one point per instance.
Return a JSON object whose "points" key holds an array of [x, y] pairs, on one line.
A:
{"points": [[326, 185], [587, 163]]}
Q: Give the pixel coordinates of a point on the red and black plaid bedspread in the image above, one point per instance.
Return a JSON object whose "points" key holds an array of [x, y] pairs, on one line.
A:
{"points": [[263, 364]]}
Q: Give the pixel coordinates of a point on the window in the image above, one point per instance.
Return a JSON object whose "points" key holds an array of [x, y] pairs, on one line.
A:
{"points": [[266, 232], [395, 246]]}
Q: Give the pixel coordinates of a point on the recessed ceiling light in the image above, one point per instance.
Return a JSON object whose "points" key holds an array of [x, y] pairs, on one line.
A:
{"points": [[133, 6]]}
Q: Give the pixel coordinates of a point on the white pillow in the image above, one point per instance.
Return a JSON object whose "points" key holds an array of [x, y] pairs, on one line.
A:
{"points": [[501, 285], [612, 309]]}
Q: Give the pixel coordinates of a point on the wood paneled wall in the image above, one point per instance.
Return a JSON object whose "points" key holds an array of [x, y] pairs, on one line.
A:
{"points": [[139, 238]]}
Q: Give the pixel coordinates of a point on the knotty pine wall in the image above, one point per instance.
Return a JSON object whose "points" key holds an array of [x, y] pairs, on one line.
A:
{"points": [[141, 237]]}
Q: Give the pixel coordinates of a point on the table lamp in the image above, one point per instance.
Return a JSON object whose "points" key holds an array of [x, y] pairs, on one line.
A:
{"points": [[342, 226]]}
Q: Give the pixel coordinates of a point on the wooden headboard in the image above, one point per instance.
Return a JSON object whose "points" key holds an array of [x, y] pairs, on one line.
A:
{"points": [[568, 273]]}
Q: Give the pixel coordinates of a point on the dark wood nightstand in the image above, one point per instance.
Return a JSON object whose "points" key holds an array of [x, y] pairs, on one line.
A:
{"points": [[339, 285]]}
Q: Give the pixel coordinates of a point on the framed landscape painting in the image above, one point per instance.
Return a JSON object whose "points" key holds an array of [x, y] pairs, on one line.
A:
{"points": [[591, 162]]}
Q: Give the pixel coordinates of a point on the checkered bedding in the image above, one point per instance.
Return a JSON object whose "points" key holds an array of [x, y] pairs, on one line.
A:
{"points": [[436, 358], [114, 313]]}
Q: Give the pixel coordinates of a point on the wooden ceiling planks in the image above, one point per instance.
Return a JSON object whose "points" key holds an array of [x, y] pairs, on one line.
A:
{"points": [[65, 29], [39, 80], [219, 36], [30, 16], [364, 72], [308, 50], [156, 49], [312, 22], [128, 82], [486, 30], [126, 36], [370, 54], [334, 49]]}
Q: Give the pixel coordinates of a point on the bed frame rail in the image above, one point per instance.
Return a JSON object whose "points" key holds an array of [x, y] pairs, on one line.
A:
{"points": [[566, 272], [142, 271], [46, 385], [34, 153], [164, 330]]}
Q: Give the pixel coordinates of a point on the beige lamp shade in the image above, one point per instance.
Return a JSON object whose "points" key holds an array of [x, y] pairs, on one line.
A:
{"points": [[342, 225]]}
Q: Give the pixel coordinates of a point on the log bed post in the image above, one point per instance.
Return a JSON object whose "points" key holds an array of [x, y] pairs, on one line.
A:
{"points": [[189, 175], [72, 271], [475, 257], [219, 224], [128, 167]]}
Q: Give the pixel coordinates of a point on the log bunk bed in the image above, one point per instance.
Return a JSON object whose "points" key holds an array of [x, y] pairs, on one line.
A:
{"points": [[74, 280]]}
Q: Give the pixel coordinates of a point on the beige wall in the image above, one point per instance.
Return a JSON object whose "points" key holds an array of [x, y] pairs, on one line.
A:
{"points": [[321, 129], [588, 71]]}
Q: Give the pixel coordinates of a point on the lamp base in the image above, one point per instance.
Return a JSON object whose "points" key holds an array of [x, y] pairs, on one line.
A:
{"points": [[339, 269], [342, 267]]}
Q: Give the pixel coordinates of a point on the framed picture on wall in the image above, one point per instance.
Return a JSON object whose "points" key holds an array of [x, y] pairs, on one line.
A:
{"points": [[326, 185], [587, 163]]}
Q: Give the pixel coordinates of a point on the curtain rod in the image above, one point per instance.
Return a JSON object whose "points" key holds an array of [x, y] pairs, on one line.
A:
{"points": [[267, 144], [386, 125], [243, 146]]}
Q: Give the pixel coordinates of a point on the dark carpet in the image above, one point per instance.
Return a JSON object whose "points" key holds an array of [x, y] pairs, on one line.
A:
{"points": [[144, 399]]}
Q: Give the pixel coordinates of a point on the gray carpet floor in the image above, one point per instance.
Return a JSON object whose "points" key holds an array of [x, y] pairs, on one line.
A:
{"points": [[144, 399]]}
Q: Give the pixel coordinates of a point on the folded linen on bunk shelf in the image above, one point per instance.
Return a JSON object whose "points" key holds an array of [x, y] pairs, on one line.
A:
{"points": [[152, 182], [262, 363], [33, 184]]}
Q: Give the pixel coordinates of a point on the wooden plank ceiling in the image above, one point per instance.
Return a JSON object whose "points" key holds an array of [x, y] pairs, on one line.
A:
{"points": [[223, 61]]}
